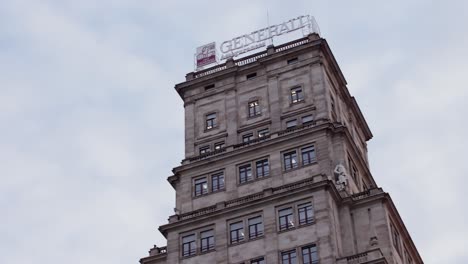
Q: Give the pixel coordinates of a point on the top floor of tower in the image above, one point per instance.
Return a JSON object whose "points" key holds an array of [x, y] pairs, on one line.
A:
{"points": [[273, 92]]}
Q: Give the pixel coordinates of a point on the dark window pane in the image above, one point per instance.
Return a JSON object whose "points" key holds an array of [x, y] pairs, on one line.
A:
{"points": [[263, 133], [217, 182], [207, 240], [236, 232], [219, 145], [286, 220], [306, 213], [290, 160], [263, 168], [296, 95], [201, 186], [245, 173], [309, 255], [291, 123], [254, 108], [307, 119], [210, 121], [308, 155], [188, 246], [288, 257], [255, 227], [247, 137]]}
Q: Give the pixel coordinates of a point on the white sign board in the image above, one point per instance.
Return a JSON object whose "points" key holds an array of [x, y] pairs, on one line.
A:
{"points": [[242, 44]]}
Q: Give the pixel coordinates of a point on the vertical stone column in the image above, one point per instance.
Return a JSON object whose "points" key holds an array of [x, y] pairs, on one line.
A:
{"points": [[274, 102], [231, 116], [189, 128]]}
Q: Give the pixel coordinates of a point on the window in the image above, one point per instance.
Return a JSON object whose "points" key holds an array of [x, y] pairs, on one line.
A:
{"points": [[237, 232], [204, 149], [247, 137], [251, 76], [309, 255], [254, 108], [217, 182], [296, 95], [333, 109], [188, 246], [258, 261], [290, 160], [395, 238], [288, 257], [262, 168], [219, 145], [263, 133], [207, 240], [293, 60], [286, 219], [291, 123], [211, 86], [255, 227], [408, 258], [245, 173], [307, 119], [305, 213], [210, 121], [354, 171], [201, 186], [308, 155]]}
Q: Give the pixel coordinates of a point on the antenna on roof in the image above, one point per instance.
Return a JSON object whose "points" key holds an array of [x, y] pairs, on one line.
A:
{"points": [[268, 24]]}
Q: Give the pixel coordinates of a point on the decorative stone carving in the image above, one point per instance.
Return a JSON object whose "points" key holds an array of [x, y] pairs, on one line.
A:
{"points": [[341, 177]]}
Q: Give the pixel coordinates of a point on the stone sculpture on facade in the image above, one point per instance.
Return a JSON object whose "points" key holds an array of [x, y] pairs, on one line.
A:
{"points": [[341, 177]]}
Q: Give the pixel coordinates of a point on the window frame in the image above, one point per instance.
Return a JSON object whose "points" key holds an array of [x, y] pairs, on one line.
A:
{"points": [[244, 167], [258, 233], [211, 123], [219, 187], [210, 246], [204, 149], [287, 166], [262, 133], [288, 155], [251, 76], [264, 161], [289, 122], [203, 191], [219, 145], [288, 253], [265, 168], [295, 96], [311, 121], [309, 219], [294, 206], [244, 221], [312, 254], [254, 109], [237, 232], [191, 252], [289, 219], [247, 137], [311, 155], [396, 238], [258, 260]]}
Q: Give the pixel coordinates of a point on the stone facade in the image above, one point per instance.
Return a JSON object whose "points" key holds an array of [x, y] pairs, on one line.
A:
{"points": [[276, 168]]}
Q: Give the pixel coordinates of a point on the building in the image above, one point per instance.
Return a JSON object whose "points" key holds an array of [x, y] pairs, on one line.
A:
{"points": [[276, 168]]}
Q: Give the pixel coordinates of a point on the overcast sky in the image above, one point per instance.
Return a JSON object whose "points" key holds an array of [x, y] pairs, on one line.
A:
{"points": [[91, 125]]}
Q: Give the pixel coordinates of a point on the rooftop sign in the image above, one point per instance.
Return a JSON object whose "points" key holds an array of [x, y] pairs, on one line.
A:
{"points": [[242, 44], [247, 42]]}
